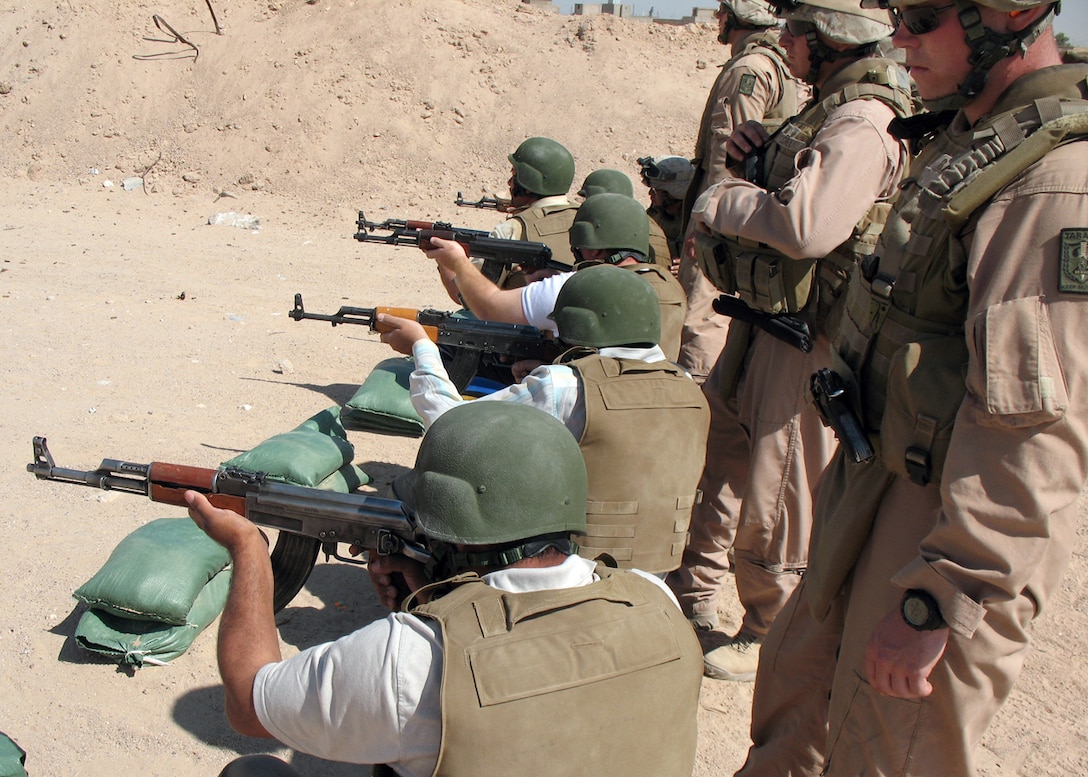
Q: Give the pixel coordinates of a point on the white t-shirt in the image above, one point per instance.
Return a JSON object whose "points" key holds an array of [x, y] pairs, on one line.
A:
{"points": [[374, 696], [538, 301]]}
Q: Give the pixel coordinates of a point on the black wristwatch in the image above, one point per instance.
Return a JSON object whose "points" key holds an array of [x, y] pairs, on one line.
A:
{"points": [[920, 611]]}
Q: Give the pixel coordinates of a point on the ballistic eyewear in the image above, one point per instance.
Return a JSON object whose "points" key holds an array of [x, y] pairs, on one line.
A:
{"points": [[919, 20]]}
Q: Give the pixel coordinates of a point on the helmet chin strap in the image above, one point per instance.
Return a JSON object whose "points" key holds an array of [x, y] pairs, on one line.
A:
{"points": [[819, 53], [988, 47], [447, 561]]}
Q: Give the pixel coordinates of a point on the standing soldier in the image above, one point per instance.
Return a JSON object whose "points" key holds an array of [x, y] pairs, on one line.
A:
{"points": [[962, 351], [784, 243], [754, 85]]}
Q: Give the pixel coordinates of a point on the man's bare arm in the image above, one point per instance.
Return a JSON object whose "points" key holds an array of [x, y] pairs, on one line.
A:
{"points": [[247, 628], [481, 295]]}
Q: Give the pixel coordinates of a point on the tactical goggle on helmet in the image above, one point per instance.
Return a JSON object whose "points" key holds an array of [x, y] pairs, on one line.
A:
{"points": [[670, 174]]}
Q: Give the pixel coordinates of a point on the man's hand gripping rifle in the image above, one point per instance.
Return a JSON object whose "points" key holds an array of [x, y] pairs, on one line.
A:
{"points": [[307, 518], [498, 254]]}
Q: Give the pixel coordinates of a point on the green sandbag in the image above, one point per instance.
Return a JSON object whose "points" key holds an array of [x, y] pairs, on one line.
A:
{"points": [[136, 642], [304, 456], [156, 572], [348, 478], [383, 403], [12, 758]]}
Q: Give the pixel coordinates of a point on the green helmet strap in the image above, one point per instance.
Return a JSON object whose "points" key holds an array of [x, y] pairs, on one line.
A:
{"points": [[988, 47], [446, 561]]}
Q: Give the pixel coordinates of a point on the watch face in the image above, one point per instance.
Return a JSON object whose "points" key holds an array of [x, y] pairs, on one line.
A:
{"points": [[915, 611]]}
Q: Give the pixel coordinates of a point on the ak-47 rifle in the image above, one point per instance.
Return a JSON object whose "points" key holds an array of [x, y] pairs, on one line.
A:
{"points": [[307, 518], [788, 329], [498, 254], [489, 338], [491, 203]]}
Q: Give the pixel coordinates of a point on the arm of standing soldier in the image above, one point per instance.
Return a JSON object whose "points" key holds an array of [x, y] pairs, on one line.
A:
{"points": [[850, 164], [482, 296], [743, 94], [247, 628], [748, 137]]}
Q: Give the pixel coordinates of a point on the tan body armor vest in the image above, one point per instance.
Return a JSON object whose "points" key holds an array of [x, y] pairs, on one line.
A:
{"points": [[661, 249], [674, 304], [909, 368], [566, 682], [550, 225], [644, 445], [761, 276]]}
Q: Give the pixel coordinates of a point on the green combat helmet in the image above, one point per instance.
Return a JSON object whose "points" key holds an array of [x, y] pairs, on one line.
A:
{"points": [[496, 473], [605, 306], [670, 174], [988, 47], [606, 181], [611, 222], [543, 167]]}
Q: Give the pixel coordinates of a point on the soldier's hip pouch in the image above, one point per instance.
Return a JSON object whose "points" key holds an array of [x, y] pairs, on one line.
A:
{"points": [[925, 390], [715, 260]]}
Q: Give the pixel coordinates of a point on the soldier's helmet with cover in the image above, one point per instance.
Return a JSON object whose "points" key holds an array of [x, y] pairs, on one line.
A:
{"points": [[749, 14], [495, 474], [670, 174], [988, 46], [543, 166], [843, 22], [605, 181], [612, 222], [606, 306]]}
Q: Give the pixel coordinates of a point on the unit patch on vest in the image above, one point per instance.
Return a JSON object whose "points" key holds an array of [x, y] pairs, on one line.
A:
{"points": [[1074, 278], [747, 84]]}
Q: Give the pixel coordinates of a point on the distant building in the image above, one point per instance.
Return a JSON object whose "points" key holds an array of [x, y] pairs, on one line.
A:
{"points": [[596, 9], [704, 15], [543, 5]]}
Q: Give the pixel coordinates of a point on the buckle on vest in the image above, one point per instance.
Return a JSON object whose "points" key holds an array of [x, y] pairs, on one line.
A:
{"points": [[919, 467], [882, 285]]}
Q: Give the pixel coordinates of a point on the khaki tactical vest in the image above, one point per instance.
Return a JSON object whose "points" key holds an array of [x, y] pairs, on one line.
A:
{"points": [[550, 225], [644, 445], [661, 249], [674, 304], [761, 276], [909, 367], [566, 682]]}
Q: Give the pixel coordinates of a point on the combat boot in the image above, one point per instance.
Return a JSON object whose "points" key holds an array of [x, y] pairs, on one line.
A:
{"points": [[736, 660]]}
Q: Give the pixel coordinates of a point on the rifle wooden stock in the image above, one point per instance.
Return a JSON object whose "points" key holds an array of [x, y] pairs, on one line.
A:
{"points": [[307, 518]]}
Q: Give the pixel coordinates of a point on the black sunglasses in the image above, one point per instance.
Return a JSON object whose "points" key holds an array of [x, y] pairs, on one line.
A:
{"points": [[920, 19]]}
